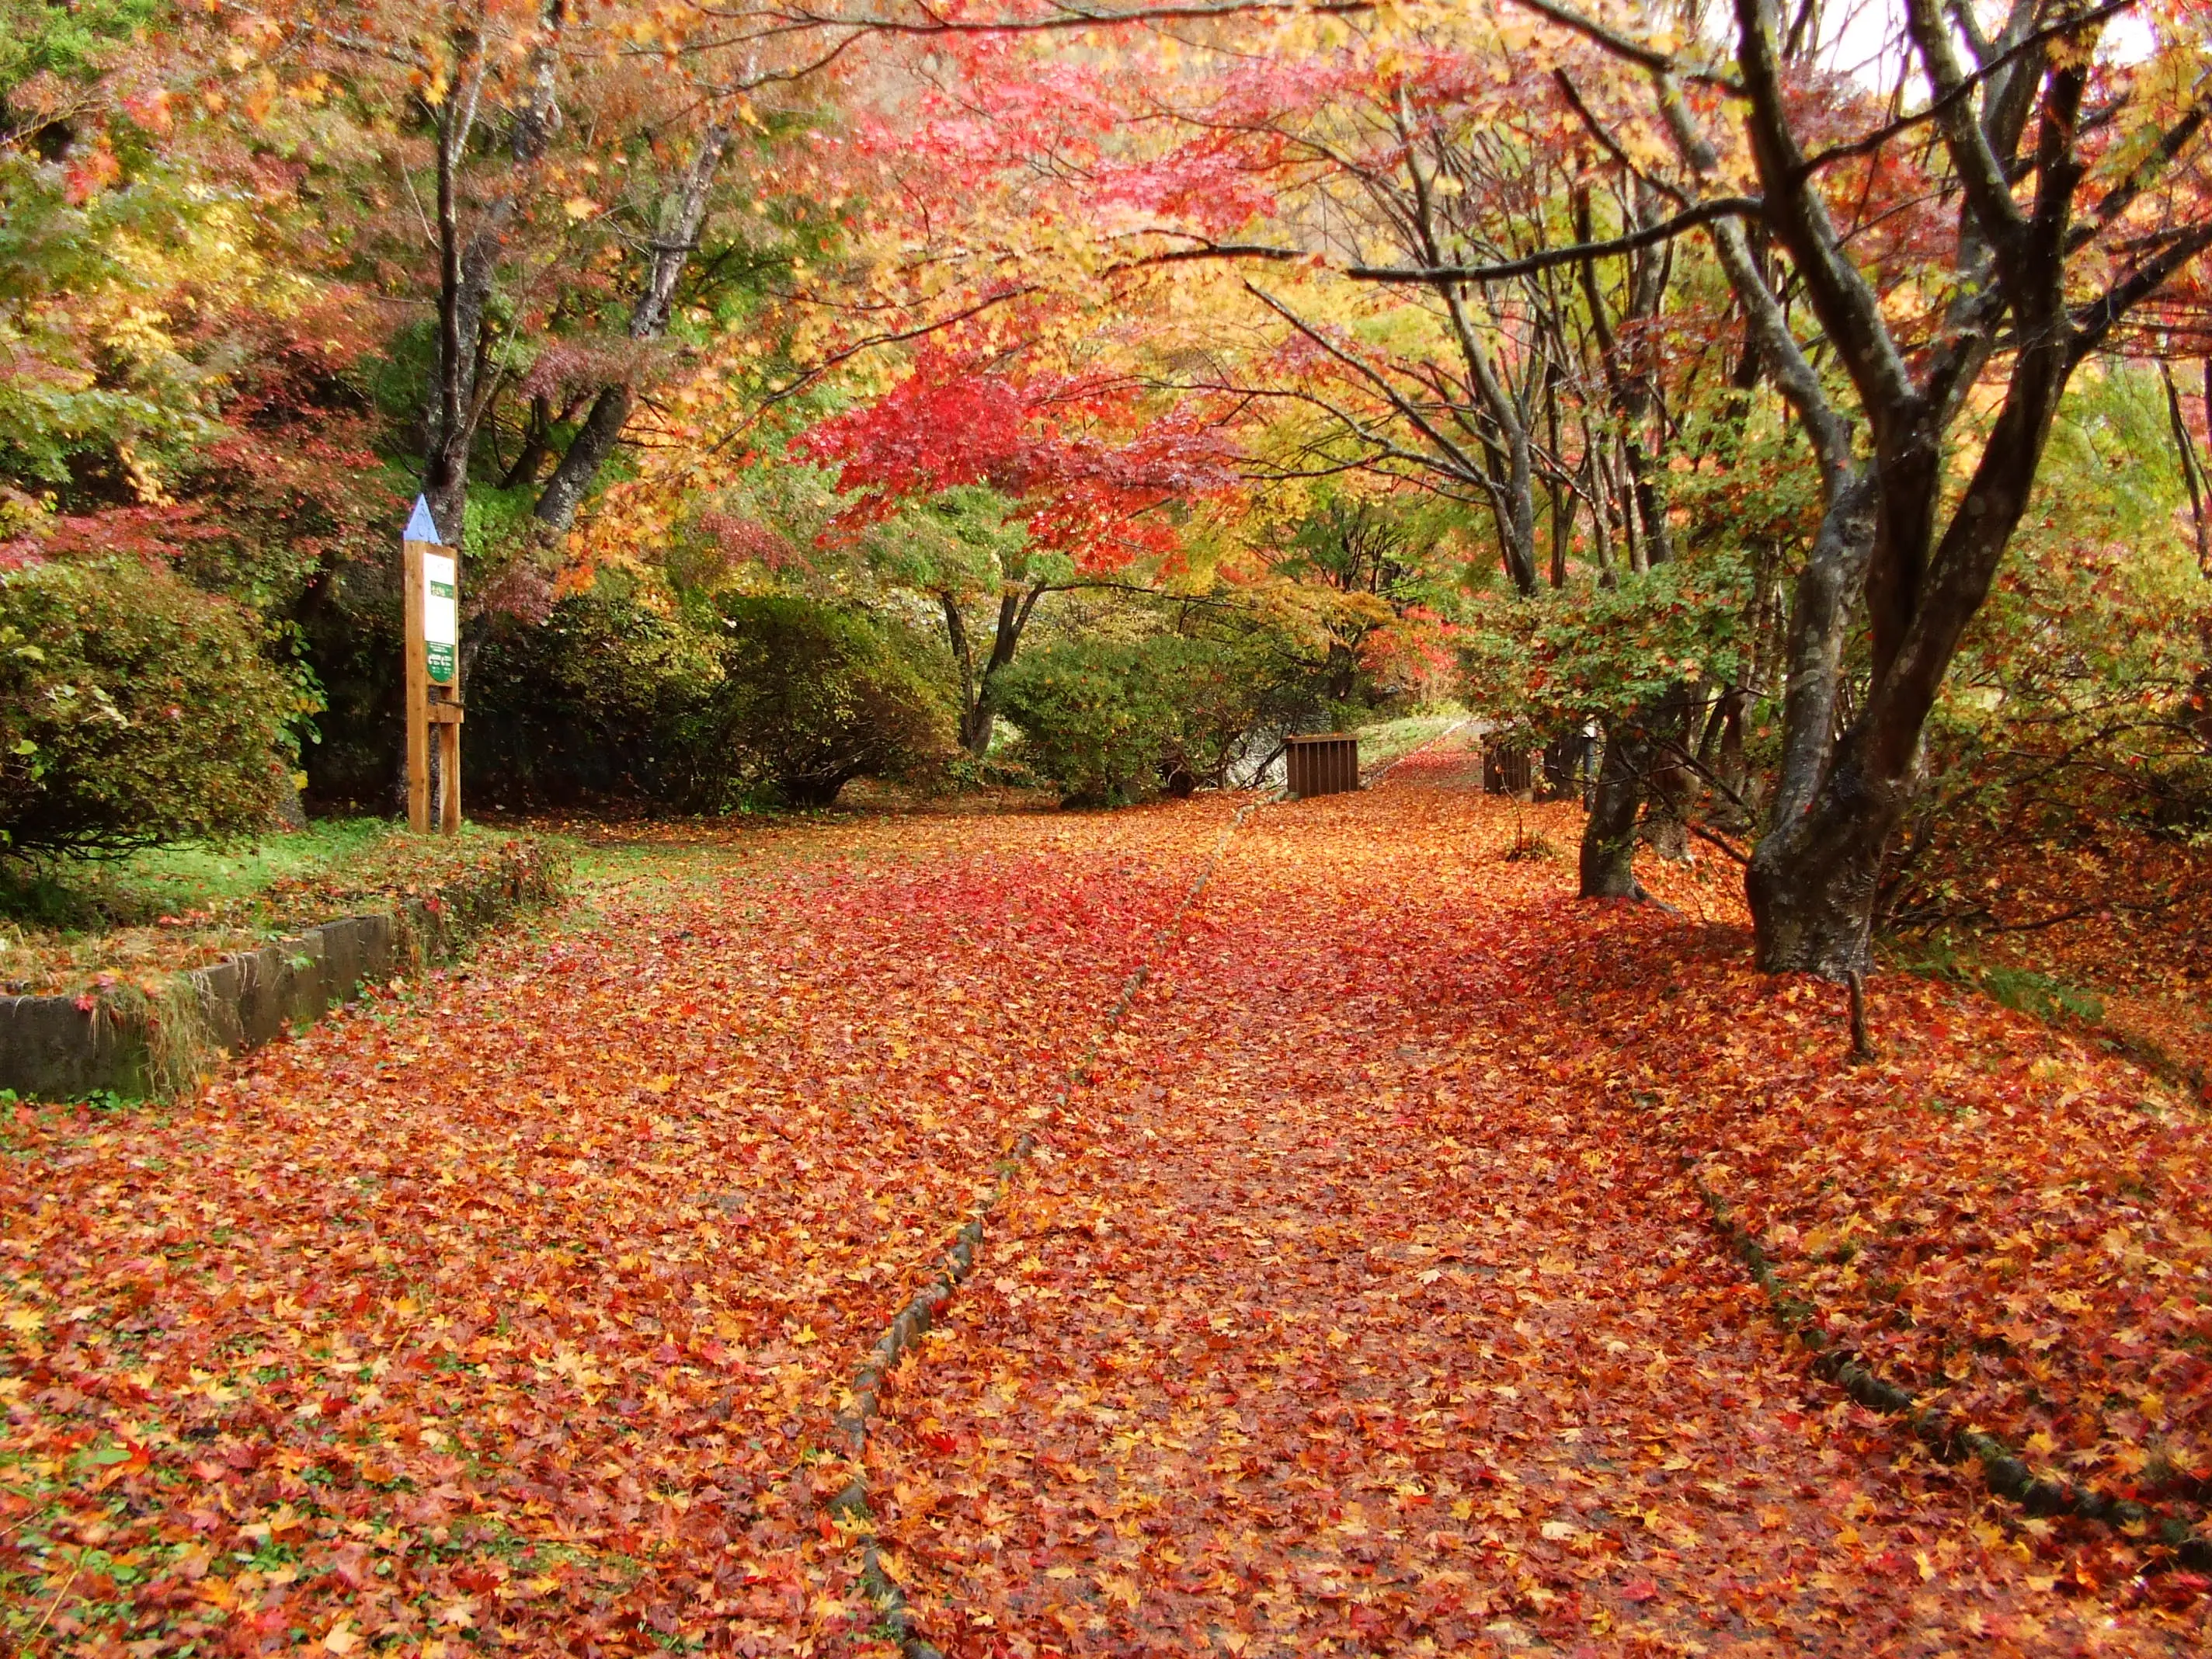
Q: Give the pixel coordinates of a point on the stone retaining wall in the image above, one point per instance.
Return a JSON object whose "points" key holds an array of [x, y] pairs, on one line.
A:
{"points": [[52, 1047]]}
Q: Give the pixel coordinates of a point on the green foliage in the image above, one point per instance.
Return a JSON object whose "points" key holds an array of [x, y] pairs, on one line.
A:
{"points": [[1109, 722], [133, 890], [1581, 652], [2026, 991], [591, 703], [71, 41], [1095, 721], [134, 710], [810, 697], [103, 392], [967, 541]]}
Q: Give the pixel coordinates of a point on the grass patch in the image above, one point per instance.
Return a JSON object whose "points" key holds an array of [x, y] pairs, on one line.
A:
{"points": [[1387, 740], [123, 926], [2021, 989]]}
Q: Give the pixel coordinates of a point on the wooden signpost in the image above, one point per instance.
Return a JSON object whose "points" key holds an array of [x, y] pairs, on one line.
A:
{"points": [[429, 577]]}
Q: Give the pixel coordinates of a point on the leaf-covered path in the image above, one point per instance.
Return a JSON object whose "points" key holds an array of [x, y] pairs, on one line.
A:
{"points": [[1347, 1306], [1331, 1324]]}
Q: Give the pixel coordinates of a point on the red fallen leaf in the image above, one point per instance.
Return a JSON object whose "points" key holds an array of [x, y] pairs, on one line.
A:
{"points": [[1638, 1589], [2178, 1589]]}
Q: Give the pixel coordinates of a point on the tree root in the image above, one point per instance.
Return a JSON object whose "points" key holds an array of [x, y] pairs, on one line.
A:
{"points": [[1943, 1434], [903, 1334]]}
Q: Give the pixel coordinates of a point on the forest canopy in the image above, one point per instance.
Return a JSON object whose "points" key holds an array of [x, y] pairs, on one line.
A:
{"points": [[1789, 428]]}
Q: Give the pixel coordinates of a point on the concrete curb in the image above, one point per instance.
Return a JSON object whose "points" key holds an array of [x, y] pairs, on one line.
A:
{"points": [[65, 1048]]}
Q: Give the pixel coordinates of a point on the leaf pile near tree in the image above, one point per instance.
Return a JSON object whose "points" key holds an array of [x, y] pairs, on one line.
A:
{"points": [[2103, 924]]}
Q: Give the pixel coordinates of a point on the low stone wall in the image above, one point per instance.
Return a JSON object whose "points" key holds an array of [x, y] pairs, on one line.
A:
{"points": [[56, 1047], [66, 1047]]}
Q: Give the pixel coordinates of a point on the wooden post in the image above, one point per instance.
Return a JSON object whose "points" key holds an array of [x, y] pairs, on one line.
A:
{"points": [[429, 577], [449, 771], [418, 681]]}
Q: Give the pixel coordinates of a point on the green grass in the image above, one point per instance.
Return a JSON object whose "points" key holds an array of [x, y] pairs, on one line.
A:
{"points": [[195, 877], [1386, 740], [2020, 989], [65, 926], [143, 887]]}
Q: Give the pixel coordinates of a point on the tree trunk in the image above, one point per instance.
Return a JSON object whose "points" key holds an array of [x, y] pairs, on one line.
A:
{"points": [[963, 661], [1812, 880], [468, 267], [1608, 850], [1629, 385], [980, 717], [537, 445], [681, 216], [979, 721]]}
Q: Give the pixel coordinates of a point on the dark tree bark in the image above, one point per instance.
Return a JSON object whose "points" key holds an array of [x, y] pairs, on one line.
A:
{"points": [[979, 691], [537, 445], [2192, 466], [1883, 543], [1607, 863], [462, 385], [1628, 386], [1635, 771]]}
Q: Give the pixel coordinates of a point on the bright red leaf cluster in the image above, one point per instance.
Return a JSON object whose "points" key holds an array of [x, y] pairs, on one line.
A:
{"points": [[1101, 479]]}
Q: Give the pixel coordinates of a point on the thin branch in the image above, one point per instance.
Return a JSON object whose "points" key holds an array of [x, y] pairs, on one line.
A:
{"points": [[1724, 207]]}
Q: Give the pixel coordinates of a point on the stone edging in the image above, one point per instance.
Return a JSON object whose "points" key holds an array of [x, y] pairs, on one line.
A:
{"points": [[904, 1333], [63, 1047], [1949, 1439]]}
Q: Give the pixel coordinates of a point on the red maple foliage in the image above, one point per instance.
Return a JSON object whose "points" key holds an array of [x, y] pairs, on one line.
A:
{"points": [[1095, 468]]}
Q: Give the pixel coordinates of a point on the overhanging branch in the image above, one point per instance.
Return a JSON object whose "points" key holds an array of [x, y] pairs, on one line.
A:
{"points": [[1725, 206]]}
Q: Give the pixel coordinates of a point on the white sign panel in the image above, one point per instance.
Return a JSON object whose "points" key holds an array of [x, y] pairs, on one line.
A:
{"points": [[441, 617]]}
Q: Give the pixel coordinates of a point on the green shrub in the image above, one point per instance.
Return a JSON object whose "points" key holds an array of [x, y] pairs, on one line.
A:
{"points": [[1093, 718], [811, 697], [594, 703], [135, 710], [1109, 722], [1221, 692]]}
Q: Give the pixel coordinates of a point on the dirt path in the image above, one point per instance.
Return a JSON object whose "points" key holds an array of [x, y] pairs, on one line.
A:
{"points": [[1330, 1325]]}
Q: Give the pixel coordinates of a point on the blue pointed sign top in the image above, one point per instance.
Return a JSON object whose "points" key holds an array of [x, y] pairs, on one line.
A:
{"points": [[420, 526]]}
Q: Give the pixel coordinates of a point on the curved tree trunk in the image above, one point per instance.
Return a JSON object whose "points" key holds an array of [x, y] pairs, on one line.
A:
{"points": [[1812, 880], [681, 216]]}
